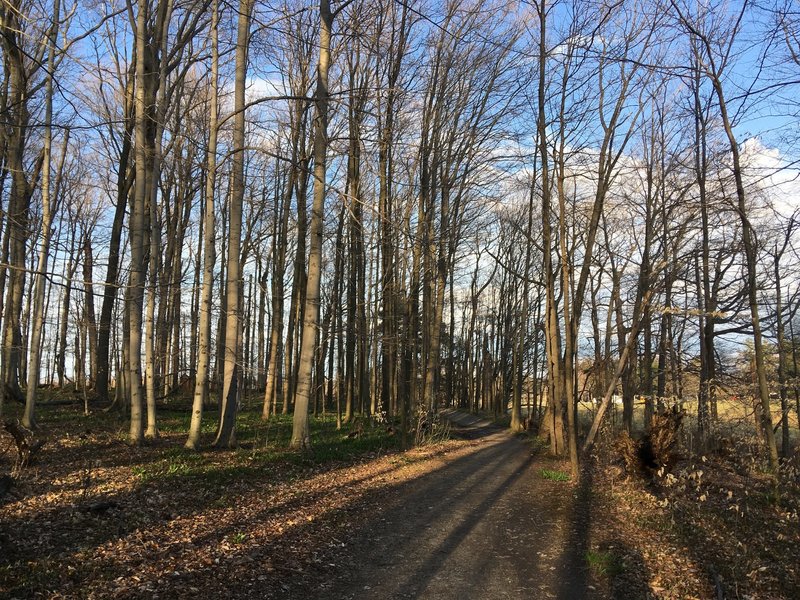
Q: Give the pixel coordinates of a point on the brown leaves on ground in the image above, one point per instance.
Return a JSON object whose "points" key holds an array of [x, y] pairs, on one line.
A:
{"points": [[714, 527], [93, 517]]}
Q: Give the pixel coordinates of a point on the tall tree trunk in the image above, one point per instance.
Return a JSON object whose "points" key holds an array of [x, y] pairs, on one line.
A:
{"points": [[299, 282], [209, 250], [553, 421], [19, 196], [226, 432], [781, 362], [705, 51], [390, 307], [301, 438], [153, 179], [89, 310], [752, 284], [138, 235], [260, 374], [517, 424], [125, 180], [707, 301], [63, 319], [48, 208], [278, 270]]}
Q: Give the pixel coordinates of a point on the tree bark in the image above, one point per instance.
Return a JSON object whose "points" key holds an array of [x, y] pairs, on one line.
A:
{"points": [[48, 208], [209, 250], [226, 431], [301, 438]]}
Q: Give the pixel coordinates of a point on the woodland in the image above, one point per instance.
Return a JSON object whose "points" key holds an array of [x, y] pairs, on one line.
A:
{"points": [[254, 248]]}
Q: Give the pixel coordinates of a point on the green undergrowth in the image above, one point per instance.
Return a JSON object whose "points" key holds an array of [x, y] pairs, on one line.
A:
{"points": [[604, 563], [538, 444], [262, 445], [554, 475]]}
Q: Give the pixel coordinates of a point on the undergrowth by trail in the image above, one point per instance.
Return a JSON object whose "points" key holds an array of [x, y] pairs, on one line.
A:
{"points": [[715, 524], [95, 517]]}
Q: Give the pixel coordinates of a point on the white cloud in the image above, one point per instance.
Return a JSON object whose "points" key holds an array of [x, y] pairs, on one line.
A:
{"points": [[771, 171]]}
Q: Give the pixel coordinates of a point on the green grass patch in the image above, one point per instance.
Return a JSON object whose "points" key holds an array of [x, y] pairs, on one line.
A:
{"points": [[238, 538], [175, 463], [604, 563], [141, 473], [538, 445], [263, 447], [554, 475]]}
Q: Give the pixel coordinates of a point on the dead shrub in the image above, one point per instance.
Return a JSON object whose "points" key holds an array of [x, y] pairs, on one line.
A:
{"points": [[656, 449]]}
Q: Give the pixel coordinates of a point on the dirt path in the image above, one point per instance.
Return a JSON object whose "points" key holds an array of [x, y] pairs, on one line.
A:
{"points": [[486, 525], [469, 518], [466, 519]]}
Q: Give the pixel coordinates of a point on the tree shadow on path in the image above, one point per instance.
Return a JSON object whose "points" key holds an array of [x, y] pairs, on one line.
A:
{"points": [[485, 525]]}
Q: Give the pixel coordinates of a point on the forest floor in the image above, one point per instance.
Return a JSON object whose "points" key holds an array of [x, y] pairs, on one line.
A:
{"points": [[479, 515]]}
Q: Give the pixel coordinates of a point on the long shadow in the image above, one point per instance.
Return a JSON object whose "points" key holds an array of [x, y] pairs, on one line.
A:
{"points": [[48, 527], [398, 499], [457, 536], [619, 566], [438, 552], [574, 580], [410, 502], [390, 524], [47, 524]]}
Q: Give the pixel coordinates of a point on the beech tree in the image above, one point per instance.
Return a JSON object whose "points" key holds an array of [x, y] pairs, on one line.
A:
{"points": [[48, 208], [518, 208], [23, 60], [300, 430], [209, 254], [226, 432]]}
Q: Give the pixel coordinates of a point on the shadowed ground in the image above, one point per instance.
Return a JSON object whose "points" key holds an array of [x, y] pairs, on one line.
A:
{"points": [[486, 525], [468, 519]]}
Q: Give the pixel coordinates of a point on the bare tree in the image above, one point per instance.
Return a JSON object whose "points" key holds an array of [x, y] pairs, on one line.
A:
{"points": [[301, 438], [226, 431], [712, 55], [48, 208], [209, 250]]}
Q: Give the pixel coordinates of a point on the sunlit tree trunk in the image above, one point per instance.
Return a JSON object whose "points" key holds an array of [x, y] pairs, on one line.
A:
{"points": [[226, 431], [301, 438], [209, 249], [138, 236], [153, 178]]}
